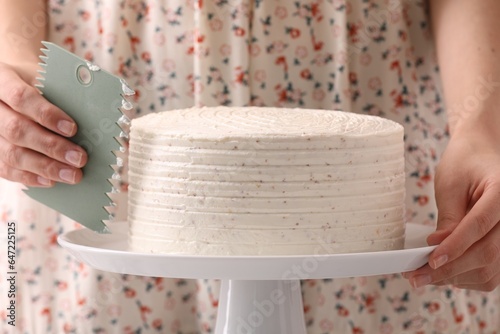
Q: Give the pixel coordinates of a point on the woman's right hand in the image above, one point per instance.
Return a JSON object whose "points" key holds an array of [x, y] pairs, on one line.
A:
{"points": [[33, 150]]}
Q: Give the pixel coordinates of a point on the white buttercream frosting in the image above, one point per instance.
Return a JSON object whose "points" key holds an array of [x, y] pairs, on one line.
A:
{"points": [[265, 181]]}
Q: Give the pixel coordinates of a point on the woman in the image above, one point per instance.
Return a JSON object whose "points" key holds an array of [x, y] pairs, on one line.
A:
{"points": [[374, 57]]}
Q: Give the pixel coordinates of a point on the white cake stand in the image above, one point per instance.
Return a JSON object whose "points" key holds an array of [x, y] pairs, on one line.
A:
{"points": [[259, 294]]}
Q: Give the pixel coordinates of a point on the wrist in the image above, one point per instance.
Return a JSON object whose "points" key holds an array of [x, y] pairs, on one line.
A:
{"points": [[476, 115], [485, 124]]}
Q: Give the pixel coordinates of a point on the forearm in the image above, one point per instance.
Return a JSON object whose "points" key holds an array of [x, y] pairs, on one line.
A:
{"points": [[23, 25], [468, 47]]}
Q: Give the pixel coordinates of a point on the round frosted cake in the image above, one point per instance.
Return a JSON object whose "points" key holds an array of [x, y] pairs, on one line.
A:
{"points": [[265, 181]]}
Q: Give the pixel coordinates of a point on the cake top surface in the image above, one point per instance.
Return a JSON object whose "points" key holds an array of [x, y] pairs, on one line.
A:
{"points": [[220, 122]]}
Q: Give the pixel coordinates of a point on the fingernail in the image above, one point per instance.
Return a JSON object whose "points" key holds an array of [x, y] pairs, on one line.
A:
{"points": [[67, 175], [439, 261], [66, 127], [74, 158], [43, 181], [421, 280]]}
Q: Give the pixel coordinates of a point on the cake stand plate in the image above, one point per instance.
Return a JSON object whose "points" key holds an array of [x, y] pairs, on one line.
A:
{"points": [[259, 294]]}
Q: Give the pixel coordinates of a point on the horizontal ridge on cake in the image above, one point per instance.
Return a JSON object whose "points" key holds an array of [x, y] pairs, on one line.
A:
{"points": [[265, 181]]}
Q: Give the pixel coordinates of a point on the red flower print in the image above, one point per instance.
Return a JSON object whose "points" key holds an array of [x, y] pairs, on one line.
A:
{"points": [[281, 12], [318, 45], [306, 74], [85, 15], [137, 95], [157, 324], [433, 307], [294, 33], [369, 300], [214, 301], [146, 56], [282, 61], [301, 52], [282, 95], [53, 239], [458, 317], [67, 328], [225, 49], [238, 31], [170, 303], [134, 40], [326, 325], [144, 310], [353, 78], [375, 83], [254, 50], [62, 285], [342, 311], [357, 330], [89, 56], [240, 77], [46, 311], [403, 35], [395, 65], [129, 293], [472, 308], [159, 283], [216, 24], [423, 200], [365, 59], [426, 178], [315, 9], [319, 94], [353, 30], [69, 43]]}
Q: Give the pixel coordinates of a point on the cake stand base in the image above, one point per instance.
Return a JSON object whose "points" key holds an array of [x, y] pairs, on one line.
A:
{"points": [[269, 307]]}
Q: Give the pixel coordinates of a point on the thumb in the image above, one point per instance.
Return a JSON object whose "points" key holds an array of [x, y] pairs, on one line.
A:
{"points": [[452, 207]]}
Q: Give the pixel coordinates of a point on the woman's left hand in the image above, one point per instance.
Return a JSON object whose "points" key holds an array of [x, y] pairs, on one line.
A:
{"points": [[467, 189]]}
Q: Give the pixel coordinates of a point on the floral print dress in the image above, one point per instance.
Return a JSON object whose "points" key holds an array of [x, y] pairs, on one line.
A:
{"points": [[367, 56]]}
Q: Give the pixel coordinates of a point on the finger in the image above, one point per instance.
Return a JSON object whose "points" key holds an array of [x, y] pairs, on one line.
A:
{"points": [[486, 287], [24, 177], [477, 266], [451, 200], [439, 235], [23, 159], [21, 131], [26, 100], [483, 216], [476, 276]]}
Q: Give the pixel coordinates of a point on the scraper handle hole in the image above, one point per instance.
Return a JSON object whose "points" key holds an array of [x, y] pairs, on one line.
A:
{"points": [[84, 75]]}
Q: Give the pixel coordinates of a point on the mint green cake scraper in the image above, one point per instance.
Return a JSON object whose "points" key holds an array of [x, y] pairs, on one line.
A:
{"points": [[93, 98]]}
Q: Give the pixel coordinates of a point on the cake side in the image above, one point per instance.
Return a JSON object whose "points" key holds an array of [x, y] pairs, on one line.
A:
{"points": [[265, 181]]}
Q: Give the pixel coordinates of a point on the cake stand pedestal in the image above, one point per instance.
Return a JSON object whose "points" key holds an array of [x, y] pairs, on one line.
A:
{"points": [[259, 294]]}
